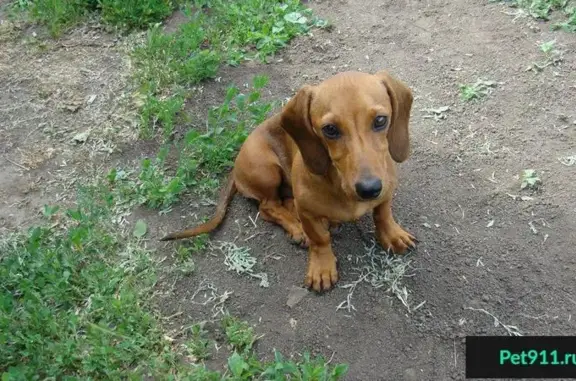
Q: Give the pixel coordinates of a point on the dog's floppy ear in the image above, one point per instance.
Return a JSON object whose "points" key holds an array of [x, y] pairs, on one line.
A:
{"points": [[401, 97], [295, 120]]}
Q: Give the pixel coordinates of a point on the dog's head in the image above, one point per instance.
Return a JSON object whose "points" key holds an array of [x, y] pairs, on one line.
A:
{"points": [[353, 122]]}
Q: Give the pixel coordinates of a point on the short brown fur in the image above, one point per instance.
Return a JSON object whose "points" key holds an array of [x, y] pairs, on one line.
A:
{"points": [[306, 181]]}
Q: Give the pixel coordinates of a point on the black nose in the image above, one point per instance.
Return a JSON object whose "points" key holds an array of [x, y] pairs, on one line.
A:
{"points": [[369, 188]]}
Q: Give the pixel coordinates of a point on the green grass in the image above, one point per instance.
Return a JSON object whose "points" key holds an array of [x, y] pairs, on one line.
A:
{"points": [[222, 32], [202, 156], [74, 304], [477, 90], [544, 9], [60, 15], [72, 297]]}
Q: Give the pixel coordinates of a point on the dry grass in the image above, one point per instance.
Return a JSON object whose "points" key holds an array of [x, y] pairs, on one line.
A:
{"points": [[381, 270]]}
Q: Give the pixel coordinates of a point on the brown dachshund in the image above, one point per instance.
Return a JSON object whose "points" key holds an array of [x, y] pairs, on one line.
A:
{"points": [[328, 157]]}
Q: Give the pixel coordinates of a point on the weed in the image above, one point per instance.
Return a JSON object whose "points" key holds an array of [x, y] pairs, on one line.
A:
{"points": [[60, 15], [310, 369], [198, 344], [542, 10], [164, 112], [72, 295], [177, 59], [202, 156], [197, 244], [73, 304], [530, 179], [570, 24], [477, 90], [552, 57], [379, 269], [135, 14], [218, 31], [238, 333], [256, 29]]}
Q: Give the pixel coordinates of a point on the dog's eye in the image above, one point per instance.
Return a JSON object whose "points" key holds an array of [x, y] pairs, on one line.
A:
{"points": [[380, 122], [331, 131]]}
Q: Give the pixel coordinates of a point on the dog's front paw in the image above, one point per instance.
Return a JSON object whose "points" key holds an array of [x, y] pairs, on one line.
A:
{"points": [[396, 239], [321, 274], [300, 238]]}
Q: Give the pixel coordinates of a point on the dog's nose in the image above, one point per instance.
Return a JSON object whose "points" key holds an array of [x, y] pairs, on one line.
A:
{"points": [[369, 188]]}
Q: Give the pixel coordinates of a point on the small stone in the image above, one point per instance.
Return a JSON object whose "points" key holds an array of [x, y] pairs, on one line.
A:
{"points": [[80, 137], [296, 295], [410, 375]]}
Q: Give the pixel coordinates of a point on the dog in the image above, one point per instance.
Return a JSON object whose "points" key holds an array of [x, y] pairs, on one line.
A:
{"points": [[329, 156]]}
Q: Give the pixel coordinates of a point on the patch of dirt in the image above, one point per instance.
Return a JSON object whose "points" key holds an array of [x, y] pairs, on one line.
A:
{"points": [[481, 249], [62, 115]]}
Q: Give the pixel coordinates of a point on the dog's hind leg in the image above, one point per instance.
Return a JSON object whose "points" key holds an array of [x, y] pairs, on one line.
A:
{"points": [[272, 210], [261, 180]]}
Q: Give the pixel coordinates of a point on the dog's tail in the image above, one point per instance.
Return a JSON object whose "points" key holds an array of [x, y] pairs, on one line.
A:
{"points": [[225, 197]]}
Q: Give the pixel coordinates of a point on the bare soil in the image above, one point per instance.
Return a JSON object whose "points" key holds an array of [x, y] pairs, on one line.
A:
{"points": [[482, 251]]}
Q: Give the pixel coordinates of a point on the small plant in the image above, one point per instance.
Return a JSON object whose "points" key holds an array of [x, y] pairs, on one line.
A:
{"points": [[542, 10], [277, 24], [570, 24], [60, 15], [194, 246], [202, 156], [135, 14], [164, 113], [198, 345], [308, 369], [530, 179], [552, 56], [248, 368], [238, 333], [477, 90]]}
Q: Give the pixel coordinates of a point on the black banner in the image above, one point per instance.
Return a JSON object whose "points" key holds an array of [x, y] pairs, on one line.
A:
{"points": [[521, 357]]}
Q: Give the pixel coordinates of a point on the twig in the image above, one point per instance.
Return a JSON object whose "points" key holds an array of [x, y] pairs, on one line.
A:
{"points": [[16, 164], [455, 355], [511, 329]]}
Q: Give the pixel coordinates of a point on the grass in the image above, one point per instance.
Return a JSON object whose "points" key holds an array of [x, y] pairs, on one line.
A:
{"points": [[203, 155], [75, 302], [552, 56], [544, 9], [530, 179], [217, 32], [168, 67], [379, 269], [477, 90], [72, 297], [60, 15]]}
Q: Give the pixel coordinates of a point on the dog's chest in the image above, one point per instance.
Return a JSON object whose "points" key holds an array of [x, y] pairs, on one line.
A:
{"points": [[350, 212]]}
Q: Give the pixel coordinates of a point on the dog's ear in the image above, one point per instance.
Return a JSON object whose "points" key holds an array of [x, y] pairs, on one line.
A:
{"points": [[295, 120], [401, 98]]}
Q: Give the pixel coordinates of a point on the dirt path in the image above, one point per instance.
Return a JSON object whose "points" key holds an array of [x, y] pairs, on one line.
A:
{"points": [[482, 251]]}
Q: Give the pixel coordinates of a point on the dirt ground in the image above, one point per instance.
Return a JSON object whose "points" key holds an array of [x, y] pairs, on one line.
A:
{"points": [[484, 251]]}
